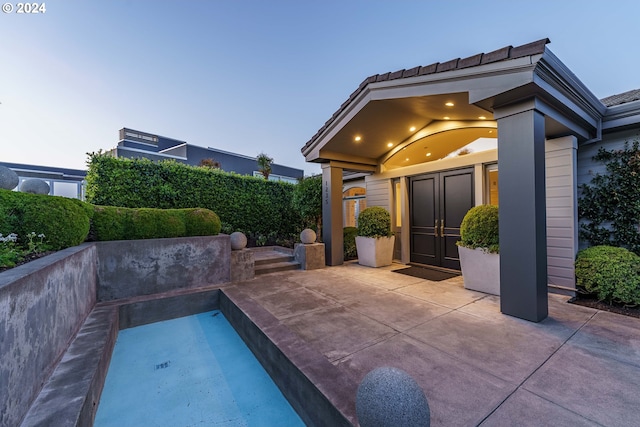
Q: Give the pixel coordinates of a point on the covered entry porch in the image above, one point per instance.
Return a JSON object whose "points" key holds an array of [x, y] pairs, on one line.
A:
{"points": [[409, 130]]}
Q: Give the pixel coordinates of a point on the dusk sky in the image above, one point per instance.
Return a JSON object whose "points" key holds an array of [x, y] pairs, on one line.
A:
{"points": [[260, 76]]}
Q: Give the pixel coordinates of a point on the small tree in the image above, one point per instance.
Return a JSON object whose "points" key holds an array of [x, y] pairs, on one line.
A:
{"points": [[264, 165], [307, 200], [210, 163]]}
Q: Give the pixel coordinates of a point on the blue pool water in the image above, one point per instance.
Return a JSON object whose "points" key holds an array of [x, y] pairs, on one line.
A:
{"points": [[190, 371]]}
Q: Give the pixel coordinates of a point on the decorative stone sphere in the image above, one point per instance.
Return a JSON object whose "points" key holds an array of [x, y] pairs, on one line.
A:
{"points": [[238, 241], [8, 178], [390, 397], [34, 186], [308, 236]]}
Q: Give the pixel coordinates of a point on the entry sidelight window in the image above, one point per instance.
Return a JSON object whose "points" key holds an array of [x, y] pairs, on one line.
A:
{"points": [[491, 184]]}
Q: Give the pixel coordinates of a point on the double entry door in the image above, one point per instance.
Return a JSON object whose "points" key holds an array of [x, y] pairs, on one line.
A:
{"points": [[437, 204]]}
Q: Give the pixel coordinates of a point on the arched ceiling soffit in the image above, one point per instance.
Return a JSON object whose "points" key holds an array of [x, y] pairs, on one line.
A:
{"points": [[442, 139], [381, 127]]}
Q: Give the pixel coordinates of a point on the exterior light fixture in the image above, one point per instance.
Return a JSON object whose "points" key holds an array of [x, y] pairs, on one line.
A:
{"points": [[357, 138], [390, 144], [412, 128], [449, 104]]}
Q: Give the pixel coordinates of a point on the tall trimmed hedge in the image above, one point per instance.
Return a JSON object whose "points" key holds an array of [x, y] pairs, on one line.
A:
{"points": [[243, 203]]}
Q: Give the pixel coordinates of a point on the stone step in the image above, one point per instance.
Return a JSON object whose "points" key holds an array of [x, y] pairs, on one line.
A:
{"points": [[276, 266], [274, 258]]}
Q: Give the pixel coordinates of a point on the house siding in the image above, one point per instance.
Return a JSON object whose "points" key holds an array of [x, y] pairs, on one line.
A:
{"points": [[560, 174], [379, 193]]}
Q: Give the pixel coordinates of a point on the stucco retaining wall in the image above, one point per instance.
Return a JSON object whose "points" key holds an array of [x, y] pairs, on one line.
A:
{"points": [[42, 305], [144, 267]]}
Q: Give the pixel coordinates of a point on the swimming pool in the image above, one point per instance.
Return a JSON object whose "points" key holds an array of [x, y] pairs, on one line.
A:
{"points": [[189, 371]]}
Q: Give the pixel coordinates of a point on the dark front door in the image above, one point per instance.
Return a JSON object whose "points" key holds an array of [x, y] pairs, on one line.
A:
{"points": [[437, 204]]}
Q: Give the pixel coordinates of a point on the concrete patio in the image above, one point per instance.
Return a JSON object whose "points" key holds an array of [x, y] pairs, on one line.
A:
{"points": [[579, 367]]}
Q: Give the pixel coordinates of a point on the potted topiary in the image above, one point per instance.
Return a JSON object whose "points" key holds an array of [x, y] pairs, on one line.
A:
{"points": [[479, 249], [374, 241]]}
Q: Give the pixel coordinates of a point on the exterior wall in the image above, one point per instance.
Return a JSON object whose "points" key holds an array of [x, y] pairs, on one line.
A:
{"points": [[562, 210], [42, 305], [379, 192], [144, 267]]}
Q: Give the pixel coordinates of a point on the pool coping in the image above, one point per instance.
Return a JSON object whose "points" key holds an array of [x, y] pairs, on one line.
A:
{"points": [[313, 386]]}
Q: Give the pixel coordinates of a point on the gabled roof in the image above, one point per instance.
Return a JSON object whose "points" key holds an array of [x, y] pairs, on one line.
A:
{"points": [[621, 98], [502, 54]]}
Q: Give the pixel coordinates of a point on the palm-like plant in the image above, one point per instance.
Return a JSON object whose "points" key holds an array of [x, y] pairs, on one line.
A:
{"points": [[264, 165]]}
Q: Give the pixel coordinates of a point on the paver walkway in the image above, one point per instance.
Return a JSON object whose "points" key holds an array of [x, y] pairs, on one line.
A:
{"points": [[579, 367]]}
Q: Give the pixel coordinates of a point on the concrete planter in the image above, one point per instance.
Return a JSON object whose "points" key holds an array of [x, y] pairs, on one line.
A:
{"points": [[375, 252], [480, 270]]}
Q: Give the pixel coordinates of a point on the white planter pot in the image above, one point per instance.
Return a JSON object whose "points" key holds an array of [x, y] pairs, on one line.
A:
{"points": [[375, 252], [480, 270]]}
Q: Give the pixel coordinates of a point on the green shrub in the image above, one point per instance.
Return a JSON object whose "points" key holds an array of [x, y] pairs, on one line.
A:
{"points": [[63, 221], [374, 221], [479, 229], [201, 222], [249, 204], [114, 223], [349, 239], [613, 274]]}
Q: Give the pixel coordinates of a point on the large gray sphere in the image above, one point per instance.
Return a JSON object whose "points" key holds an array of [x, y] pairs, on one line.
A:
{"points": [[34, 186], [8, 178], [308, 236], [390, 397], [238, 241]]}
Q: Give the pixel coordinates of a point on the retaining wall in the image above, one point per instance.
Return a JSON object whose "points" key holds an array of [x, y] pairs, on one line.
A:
{"points": [[44, 303]]}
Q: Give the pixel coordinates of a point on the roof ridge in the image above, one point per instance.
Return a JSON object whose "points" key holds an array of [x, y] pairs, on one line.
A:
{"points": [[502, 54]]}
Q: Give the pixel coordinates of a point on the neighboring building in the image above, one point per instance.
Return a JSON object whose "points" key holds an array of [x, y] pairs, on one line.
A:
{"points": [[432, 141], [136, 144], [62, 182]]}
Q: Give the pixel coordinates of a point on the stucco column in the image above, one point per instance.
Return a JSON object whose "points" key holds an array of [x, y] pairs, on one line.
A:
{"points": [[523, 245], [332, 236]]}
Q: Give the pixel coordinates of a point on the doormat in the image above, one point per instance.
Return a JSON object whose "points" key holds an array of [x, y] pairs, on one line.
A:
{"points": [[426, 273]]}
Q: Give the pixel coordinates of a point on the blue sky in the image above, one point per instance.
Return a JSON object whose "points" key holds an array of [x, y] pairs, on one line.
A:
{"points": [[260, 76]]}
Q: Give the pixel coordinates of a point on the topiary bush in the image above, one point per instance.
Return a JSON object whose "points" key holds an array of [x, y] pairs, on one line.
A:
{"points": [[613, 274], [63, 221], [114, 223], [201, 222], [479, 229], [349, 242], [375, 222]]}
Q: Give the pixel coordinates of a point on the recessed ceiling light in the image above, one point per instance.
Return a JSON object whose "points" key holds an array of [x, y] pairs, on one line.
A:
{"points": [[428, 154], [412, 128], [449, 104], [482, 117], [390, 144], [357, 138], [447, 117], [490, 131], [406, 160]]}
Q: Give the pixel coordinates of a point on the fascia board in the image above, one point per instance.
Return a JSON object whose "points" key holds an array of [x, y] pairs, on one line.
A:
{"points": [[481, 82], [623, 115]]}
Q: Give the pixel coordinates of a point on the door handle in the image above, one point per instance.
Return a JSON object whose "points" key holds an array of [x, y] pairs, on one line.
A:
{"points": [[435, 228], [442, 228]]}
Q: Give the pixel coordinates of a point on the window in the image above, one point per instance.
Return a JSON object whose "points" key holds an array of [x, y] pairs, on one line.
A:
{"points": [[491, 185]]}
